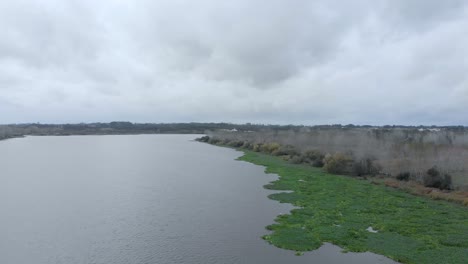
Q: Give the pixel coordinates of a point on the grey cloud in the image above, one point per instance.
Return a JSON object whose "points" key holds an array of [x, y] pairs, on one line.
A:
{"points": [[422, 14], [254, 61], [48, 33], [250, 41]]}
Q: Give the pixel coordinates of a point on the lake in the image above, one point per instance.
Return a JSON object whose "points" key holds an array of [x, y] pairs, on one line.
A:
{"points": [[139, 199]]}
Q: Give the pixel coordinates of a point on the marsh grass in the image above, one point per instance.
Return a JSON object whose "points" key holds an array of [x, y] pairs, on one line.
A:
{"points": [[339, 209]]}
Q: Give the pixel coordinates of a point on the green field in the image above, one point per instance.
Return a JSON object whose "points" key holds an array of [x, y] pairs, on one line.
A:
{"points": [[339, 209]]}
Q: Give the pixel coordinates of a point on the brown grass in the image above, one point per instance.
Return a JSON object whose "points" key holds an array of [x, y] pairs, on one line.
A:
{"points": [[415, 188], [465, 202]]}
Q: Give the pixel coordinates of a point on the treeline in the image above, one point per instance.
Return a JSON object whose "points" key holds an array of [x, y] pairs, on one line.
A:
{"points": [[433, 156], [124, 127], [112, 128]]}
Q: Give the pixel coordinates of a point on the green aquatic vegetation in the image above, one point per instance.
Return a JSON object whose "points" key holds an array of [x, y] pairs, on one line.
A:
{"points": [[340, 209]]}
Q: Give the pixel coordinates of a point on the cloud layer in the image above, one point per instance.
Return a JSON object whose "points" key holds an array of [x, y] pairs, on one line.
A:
{"points": [[307, 62]]}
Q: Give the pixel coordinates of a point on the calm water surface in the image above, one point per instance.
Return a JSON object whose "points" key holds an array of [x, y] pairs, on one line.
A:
{"points": [[138, 199]]}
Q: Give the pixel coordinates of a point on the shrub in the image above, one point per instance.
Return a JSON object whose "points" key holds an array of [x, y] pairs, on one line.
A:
{"points": [[204, 139], [270, 147], [224, 142], [337, 163], [447, 182], [214, 141], [257, 147], [246, 145], [297, 159], [366, 166], [314, 157], [403, 176], [285, 150], [435, 179], [235, 144], [314, 154], [318, 163]]}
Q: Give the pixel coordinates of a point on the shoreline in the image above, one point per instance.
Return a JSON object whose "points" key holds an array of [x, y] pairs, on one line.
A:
{"points": [[359, 216], [340, 164], [11, 137], [110, 134]]}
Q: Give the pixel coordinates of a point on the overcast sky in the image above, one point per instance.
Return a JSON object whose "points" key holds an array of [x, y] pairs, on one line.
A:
{"points": [[271, 61]]}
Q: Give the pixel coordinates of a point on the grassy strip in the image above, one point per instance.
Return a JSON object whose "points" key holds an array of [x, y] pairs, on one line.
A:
{"points": [[339, 209]]}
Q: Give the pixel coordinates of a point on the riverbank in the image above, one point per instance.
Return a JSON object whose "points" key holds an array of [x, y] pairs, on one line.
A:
{"points": [[434, 183], [432, 158], [360, 216], [10, 137]]}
